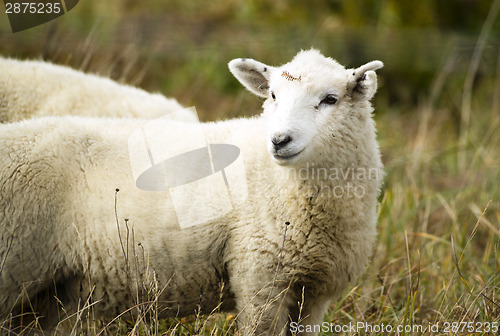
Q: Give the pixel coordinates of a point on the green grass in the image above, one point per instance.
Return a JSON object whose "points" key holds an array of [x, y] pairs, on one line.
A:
{"points": [[437, 259]]}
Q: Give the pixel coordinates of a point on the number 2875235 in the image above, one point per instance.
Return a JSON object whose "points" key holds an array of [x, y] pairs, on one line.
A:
{"points": [[33, 8]]}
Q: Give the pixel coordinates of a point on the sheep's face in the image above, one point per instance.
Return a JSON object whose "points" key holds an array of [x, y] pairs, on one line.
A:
{"points": [[300, 106], [304, 100]]}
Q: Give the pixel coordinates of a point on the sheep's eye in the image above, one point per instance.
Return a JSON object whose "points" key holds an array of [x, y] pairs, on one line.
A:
{"points": [[273, 95], [329, 99]]}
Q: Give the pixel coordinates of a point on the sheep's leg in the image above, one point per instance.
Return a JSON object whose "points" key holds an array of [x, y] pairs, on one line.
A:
{"points": [[41, 311], [270, 312], [310, 315], [263, 311]]}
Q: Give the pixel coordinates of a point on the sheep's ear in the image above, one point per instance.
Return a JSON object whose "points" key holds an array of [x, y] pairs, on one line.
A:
{"points": [[252, 74], [362, 83]]}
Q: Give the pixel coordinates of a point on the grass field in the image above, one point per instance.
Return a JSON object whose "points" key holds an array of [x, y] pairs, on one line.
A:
{"points": [[437, 259]]}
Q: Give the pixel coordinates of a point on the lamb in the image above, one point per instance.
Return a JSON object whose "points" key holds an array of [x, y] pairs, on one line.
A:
{"points": [[36, 88], [304, 233]]}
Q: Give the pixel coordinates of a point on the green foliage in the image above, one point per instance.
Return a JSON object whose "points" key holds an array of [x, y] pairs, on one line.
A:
{"points": [[171, 45]]}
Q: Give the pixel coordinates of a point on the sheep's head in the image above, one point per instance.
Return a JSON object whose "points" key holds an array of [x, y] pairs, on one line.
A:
{"points": [[305, 99]]}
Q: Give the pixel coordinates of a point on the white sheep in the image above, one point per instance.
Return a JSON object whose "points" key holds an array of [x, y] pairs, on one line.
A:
{"points": [[321, 173], [36, 88]]}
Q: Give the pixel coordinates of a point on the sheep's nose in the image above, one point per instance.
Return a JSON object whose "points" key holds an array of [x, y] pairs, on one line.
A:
{"points": [[280, 140]]}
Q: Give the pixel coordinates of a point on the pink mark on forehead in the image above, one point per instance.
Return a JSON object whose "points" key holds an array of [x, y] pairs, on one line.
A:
{"points": [[287, 75]]}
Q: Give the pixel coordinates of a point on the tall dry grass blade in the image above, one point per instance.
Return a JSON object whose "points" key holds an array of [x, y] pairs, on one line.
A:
{"points": [[118, 226], [456, 262], [474, 230], [469, 83], [425, 120], [482, 219]]}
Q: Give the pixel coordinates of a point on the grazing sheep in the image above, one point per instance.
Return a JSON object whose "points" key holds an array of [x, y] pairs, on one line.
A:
{"points": [[36, 88], [321, 173]]}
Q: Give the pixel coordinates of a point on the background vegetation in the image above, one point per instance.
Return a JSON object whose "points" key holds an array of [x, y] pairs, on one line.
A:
{"points": [[437, 111]]}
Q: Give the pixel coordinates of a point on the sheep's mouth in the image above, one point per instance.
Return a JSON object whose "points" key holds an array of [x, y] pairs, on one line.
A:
{"points": [[286, 158]]}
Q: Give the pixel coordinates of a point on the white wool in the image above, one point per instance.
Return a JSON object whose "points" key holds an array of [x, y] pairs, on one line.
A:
{"points": [[57, 221], [36, 88]]}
